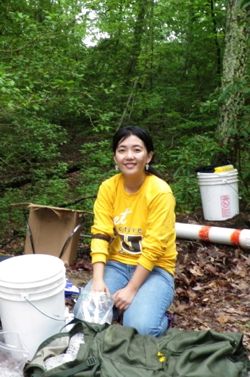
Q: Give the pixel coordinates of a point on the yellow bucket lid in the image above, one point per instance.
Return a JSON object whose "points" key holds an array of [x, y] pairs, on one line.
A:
{"points": [[221, 169]]}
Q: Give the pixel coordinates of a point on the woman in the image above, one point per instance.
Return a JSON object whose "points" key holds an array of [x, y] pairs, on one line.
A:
{"points": [[133, 247]]}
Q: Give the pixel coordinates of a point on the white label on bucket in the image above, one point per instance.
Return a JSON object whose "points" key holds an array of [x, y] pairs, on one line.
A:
{"points": [[225, 205]]}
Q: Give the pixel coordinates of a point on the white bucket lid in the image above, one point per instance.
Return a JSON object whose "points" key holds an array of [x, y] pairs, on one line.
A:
{"points": [[231, 173], [35, 269]]}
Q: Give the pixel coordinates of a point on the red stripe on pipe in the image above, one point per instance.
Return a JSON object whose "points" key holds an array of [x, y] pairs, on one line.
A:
{"points": [[204, 233], [235, 237]]}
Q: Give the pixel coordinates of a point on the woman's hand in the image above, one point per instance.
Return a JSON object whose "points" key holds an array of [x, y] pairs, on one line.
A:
{"points": [[99, 286], [123, 297]]}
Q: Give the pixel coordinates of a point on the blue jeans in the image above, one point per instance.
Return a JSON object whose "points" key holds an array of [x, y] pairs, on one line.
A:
{"points": [[147, 312]]}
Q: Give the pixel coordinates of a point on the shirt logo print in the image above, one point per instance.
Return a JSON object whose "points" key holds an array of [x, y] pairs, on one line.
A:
{"points": [[131, 244], [121, 219]]}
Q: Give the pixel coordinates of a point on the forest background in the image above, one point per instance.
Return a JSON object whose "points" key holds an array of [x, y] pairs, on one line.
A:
{"points": [[72, 72]]}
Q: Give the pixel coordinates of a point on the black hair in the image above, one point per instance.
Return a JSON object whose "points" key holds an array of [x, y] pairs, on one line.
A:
{"points": [[124, 132]]}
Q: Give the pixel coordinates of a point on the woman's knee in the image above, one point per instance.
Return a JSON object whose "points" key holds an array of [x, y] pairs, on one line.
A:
{"points": [[146, 327]]}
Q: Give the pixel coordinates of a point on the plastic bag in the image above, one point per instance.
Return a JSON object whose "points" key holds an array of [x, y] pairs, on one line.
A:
{"points": [[95, 307], [13, 356], [70, 354]]}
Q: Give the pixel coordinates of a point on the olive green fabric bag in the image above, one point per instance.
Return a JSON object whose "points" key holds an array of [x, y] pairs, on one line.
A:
{"points": [[116, 351], [204, 354]]}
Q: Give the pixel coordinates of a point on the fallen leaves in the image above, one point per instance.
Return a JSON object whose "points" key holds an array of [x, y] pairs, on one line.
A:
{"points": [[212, 288], [222, 319]]}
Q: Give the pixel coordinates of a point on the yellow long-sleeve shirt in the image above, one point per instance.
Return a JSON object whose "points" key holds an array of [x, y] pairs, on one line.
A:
{"points": [[140, 226]]}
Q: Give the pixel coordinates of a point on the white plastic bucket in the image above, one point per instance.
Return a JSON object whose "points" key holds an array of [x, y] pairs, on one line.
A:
{"points": [[32, 297], [219, 194]]}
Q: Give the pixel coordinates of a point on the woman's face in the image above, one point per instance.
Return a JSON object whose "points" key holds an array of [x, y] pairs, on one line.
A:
{"points": [[131, 156]]}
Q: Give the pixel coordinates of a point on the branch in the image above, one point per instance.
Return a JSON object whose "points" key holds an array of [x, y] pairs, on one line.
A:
{"points": [[128, 103], [78, 200]]}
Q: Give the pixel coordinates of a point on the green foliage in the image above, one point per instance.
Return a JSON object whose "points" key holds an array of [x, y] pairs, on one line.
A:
{"points": [[98, 165], [180, 164], [51, 191], [49, 186], [156, 64], [11, 217], [29, 141]]}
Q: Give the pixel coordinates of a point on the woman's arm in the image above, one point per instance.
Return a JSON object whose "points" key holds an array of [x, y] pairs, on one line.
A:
{"points": [[98, 284], [125, 296], [102, 228], [160, 231]]}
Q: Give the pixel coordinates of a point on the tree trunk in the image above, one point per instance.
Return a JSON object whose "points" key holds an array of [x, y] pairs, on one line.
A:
{"points": [[217, 45], [138, 34], [233, 76]]}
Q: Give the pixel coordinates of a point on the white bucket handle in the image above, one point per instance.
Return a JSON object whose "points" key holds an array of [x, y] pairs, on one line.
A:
{"points": [[41, 311], [230, 185], [232, 188]]}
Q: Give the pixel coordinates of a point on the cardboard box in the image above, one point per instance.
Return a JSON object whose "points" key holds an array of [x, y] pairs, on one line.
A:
{"points": [[54, 231]]}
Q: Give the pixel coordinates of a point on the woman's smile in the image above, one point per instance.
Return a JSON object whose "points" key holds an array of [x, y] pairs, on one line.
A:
{"points": [[129, 165]]}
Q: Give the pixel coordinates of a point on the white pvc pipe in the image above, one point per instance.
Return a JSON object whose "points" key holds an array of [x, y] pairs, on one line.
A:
{"points": [[228, 236]]}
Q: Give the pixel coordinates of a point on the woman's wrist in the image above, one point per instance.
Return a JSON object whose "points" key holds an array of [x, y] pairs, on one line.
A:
{"points": [[138, 278], [98, 283], [98, 271], [132, 286]]}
